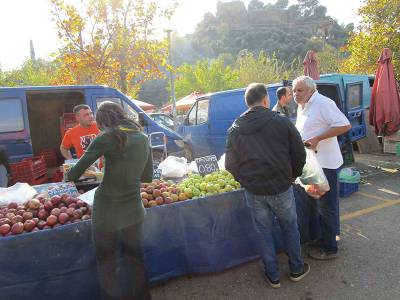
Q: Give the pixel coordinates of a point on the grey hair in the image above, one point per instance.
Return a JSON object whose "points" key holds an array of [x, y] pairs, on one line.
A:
{"points": [[307, 81]]}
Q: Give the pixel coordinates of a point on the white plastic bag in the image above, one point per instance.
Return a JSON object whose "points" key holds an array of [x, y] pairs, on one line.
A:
{"points": [[192, 168], [18, 193], [173, 167], [313, 178], [221, 162], [88, 197]]}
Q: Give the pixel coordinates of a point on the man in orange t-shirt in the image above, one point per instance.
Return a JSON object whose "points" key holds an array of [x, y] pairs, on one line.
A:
{"points": [[82, 134]]}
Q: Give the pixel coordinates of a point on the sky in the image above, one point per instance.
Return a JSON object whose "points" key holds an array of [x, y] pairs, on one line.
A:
{"points": [[24, 20]]}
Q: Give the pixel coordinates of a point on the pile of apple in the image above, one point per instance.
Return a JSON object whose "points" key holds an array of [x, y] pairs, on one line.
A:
{"points": [[160, 192], [211, 184], [42, 213]]}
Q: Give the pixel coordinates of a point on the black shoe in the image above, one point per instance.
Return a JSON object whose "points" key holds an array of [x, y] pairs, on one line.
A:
{"points": [[299, 276], [275, 284], [321, 254], [315, 243]]}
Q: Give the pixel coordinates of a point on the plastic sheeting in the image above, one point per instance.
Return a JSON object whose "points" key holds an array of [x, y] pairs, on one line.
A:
{"points": [[191, 237]]}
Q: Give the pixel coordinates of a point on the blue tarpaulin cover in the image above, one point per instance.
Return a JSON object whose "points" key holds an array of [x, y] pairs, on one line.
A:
{"points": [[191, 237]]}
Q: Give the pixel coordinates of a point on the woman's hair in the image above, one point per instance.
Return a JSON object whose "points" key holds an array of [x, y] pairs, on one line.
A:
{"points": [[110, 116], [4, 159]]}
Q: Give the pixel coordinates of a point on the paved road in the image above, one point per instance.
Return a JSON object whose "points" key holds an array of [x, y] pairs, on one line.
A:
{"points": [[368, 266]]}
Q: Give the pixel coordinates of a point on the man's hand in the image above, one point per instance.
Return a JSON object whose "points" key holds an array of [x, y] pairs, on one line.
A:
{"points": [[65, 152], [312, 143]]}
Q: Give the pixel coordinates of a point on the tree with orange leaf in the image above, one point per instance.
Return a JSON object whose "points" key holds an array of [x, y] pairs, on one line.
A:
{"points": [[110, 42]]}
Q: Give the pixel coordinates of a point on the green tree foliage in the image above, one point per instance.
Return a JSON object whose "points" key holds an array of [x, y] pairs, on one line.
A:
{"points": [[379, 29], [263, 68], [329, 60], [205, 76], [31, 73], [278, 29]]}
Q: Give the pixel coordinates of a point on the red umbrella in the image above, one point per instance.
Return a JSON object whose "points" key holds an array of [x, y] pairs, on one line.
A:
{"points": [[384, 113], [310, 65]]}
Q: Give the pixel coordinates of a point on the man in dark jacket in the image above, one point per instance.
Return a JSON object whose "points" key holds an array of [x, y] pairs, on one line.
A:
{"points": [[265, 153]]}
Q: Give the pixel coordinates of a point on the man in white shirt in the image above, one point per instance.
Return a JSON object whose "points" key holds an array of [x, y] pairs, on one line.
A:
{"points": [[319, 122]]}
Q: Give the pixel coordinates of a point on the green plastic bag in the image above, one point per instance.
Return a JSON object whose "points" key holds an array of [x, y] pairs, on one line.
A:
{"points": [[349, 175]]}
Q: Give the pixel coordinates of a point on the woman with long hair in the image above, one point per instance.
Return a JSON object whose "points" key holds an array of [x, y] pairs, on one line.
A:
{"points": [[118, 211]]}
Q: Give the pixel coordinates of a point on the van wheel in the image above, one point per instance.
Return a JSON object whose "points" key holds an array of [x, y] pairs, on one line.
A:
{"points": [[188, 153]]}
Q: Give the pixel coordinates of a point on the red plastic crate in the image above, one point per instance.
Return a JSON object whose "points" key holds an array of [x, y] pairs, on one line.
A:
{"points": [[50, 156], [67, 121], [58, 176], [30, 170]]}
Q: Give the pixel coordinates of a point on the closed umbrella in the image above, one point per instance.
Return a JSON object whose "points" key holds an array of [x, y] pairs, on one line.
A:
{"points": [[384, 113], [310, 65]]}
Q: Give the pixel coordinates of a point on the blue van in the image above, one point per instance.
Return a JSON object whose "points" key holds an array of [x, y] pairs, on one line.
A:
{"points": [[205, 126], [30, 116]]}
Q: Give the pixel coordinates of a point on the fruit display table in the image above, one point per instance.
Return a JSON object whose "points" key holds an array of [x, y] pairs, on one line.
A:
{"points": [[190, 237]]}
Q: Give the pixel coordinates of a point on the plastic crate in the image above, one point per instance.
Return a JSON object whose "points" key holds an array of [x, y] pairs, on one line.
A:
{"points": [[358, 133], [50, 156], [346, 189], [348, 158], [67, 121], [389, 146], [30, 170], [58, 176]]}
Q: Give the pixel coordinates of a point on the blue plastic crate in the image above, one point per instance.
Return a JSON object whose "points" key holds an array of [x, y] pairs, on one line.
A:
{"points": [[346, 189]]}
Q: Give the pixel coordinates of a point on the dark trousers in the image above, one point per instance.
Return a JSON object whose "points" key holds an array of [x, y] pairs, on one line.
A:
{"points": [[106, 247], [325, 218]]}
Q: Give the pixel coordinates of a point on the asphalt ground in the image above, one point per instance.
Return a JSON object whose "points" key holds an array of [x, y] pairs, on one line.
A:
{"points": [[368, 265]]}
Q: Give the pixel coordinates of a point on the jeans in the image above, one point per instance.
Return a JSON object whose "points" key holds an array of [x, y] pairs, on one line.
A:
{"points": [[263, 209], [325, 218], [106, 247], [329, 212]]}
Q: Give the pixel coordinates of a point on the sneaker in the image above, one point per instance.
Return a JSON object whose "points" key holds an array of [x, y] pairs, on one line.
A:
{"points": [[321, 254], [299, 276], [275, 284]]}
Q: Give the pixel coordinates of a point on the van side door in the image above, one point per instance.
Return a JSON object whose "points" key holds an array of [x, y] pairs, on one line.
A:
{"points": [[14, 124], [224, 110], [355, 110], [195, 130]]}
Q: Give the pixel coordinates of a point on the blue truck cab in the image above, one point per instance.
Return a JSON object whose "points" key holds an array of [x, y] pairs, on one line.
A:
{"points": [[30, 116], [205, 126]]}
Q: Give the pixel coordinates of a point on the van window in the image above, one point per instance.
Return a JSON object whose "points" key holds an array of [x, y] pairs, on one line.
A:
{"points": [[192, 115], [103, 99], [202, 111], [129, 110], [11, 117], [354, 95]]}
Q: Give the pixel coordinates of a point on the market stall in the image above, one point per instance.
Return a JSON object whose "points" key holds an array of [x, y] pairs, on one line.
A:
{"points": [[190, 237]]}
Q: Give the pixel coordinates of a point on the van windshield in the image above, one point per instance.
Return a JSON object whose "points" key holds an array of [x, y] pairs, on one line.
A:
{"points": [[11, 117]]}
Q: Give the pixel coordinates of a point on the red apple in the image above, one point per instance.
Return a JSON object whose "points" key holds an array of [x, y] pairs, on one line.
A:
{"points": [[29, 225], [51, 220], [63, 217], [17, 228], [12, 205], [27, 215], [55, 212], [4, 229]]}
